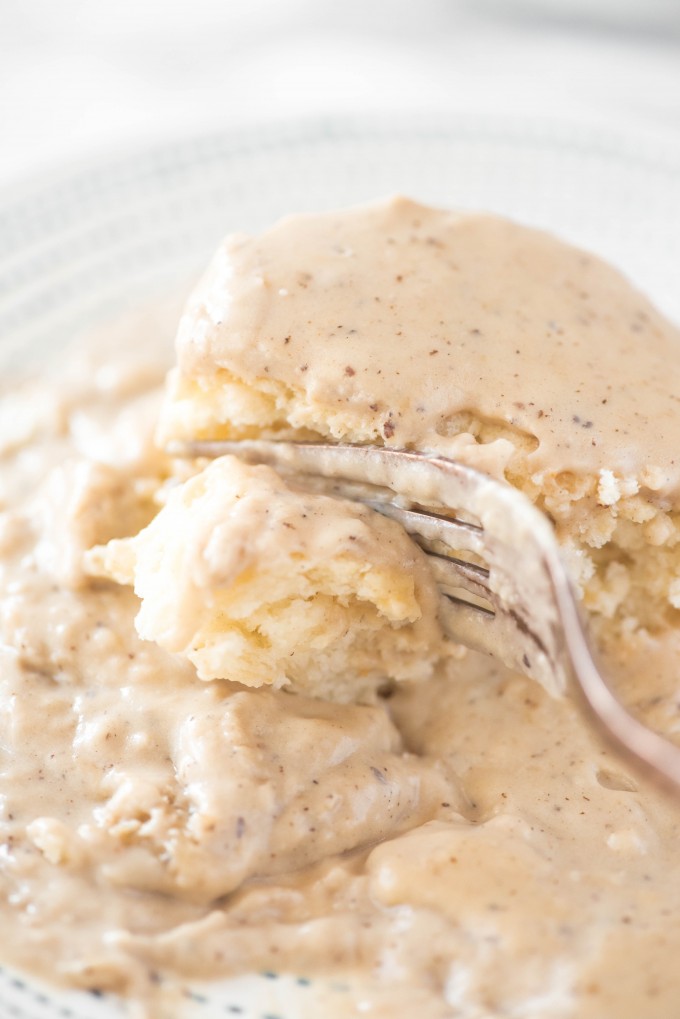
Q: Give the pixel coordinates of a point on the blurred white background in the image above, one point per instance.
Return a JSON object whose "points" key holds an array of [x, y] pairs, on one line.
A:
{"points": [[78, 77]]}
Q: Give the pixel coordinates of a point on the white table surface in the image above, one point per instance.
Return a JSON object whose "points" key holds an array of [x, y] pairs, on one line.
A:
{"points": [[81, 77]]}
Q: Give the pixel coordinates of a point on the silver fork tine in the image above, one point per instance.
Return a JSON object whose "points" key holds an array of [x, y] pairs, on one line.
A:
{"points": [[534, 625], [431, 533], [453, 574], [468, 624], [433, 529]]}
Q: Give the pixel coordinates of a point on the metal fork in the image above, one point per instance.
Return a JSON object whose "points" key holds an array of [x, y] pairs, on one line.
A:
{"points": [[494, 555]]}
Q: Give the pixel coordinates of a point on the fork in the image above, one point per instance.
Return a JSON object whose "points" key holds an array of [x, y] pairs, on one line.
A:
{"points": [[493, 554]]}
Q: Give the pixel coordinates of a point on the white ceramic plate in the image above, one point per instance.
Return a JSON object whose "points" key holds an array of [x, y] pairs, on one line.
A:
{"points": [[91, 240]]}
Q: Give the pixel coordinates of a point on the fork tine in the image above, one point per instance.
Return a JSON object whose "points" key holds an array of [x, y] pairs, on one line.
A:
{"points": [[433, 530], [453, 574], [467, 624]]}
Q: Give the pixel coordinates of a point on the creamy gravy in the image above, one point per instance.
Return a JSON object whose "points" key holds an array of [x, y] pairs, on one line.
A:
{"points": [[468, 847], [395, 321]]}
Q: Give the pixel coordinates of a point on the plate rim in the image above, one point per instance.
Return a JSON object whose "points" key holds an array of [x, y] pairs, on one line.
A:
{"points": [[656, 151]]}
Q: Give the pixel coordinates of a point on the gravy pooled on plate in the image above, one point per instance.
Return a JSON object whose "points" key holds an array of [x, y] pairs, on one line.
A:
{"points": [[440, 829]]}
